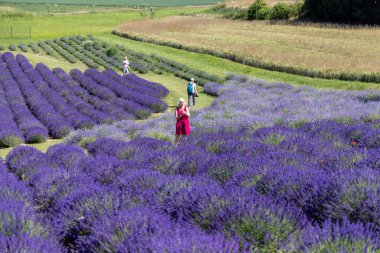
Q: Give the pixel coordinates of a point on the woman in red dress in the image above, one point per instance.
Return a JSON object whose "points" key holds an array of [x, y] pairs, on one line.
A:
{"points": [[182, 115]]}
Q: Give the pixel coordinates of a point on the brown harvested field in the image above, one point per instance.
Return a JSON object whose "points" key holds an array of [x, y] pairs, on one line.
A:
{"points": [[246, 3], [353, 50]]}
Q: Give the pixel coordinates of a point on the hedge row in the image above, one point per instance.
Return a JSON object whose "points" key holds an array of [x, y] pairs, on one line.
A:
{"points": [[34, 47], [46, 48]]}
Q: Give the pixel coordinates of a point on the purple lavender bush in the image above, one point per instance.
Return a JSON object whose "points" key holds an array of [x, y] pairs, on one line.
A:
{"points": [[37, 102], [21, 228]]}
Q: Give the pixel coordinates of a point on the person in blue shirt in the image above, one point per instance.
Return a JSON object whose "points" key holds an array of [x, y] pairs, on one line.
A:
{"points": [[191, 91]]}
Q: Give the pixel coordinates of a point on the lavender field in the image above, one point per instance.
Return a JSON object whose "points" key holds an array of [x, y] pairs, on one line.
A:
{"points": [[268, 168], [37, 103]]}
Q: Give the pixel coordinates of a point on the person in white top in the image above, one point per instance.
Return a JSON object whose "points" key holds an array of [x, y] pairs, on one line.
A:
{"points": [[125, 66]]}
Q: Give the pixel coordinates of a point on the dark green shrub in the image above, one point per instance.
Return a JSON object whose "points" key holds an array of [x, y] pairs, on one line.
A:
{"points": [[38, 138], [112, 51], [259, 10], [296, 9], [143, 70], [230, 13], [345, 11], [88, 43], [62, 132], [280, 11], [23, 47], [10, 141], [143, 114], [12, 47], [34, 47], [105, 45]]}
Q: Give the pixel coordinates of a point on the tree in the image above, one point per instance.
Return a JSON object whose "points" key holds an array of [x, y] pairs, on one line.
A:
{"points": [[259, 10], [344, 11], [280, 11]]}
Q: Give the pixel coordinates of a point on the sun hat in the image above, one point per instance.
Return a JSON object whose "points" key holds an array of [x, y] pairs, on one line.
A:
{"points": [[192, 79]]}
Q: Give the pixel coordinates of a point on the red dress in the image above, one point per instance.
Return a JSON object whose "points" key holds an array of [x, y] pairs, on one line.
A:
{"points": [[182, 126]]}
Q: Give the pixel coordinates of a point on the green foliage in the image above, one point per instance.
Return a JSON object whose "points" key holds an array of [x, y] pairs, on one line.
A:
{"points": [[36, 139], [10, 141], [86, 141], [159, 136], [63, 132], [256, 229], [259, 10], [370, 97], [296, 9], [274, 139], [8, 12], [280, 11], [12, 47], [125, 153], [229, 13], [345, 11], [148, 12], [112, 51], [97, 45], [23, 47], [143, 114], [345, 121]]}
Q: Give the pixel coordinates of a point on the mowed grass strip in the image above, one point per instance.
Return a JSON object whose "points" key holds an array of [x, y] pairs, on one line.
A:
{"points": [[305, 46], [177, 89], [51, 9], [40, 146]]}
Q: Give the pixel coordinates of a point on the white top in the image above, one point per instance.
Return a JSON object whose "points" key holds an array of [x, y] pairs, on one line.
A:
{"points": [[126, 63]]}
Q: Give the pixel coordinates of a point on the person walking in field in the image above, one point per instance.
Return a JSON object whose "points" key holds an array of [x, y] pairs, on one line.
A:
{"points": [[192, 91], [125, 66], [182, 115]]}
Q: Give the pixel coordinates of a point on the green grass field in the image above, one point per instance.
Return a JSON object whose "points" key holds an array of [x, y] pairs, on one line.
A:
{"points": [[177, 89], [52, 9], [40, 146], [161, 3], [54, 26]]}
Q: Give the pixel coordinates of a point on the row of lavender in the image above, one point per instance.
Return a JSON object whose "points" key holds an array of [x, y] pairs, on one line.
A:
{"points": [[249, 104], [280, 189], [36, 101], [22, 229], [96, 53]]}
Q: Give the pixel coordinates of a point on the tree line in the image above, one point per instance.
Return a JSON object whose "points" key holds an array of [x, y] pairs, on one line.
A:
{"points": [[337, 11]]}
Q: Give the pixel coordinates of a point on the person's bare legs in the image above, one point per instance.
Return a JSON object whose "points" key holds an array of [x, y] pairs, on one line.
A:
{"points": [[177, 138]]}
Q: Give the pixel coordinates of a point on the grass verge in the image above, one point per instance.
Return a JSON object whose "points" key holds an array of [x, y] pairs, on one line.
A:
{"points": [[177, 89], [40, 146]]}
